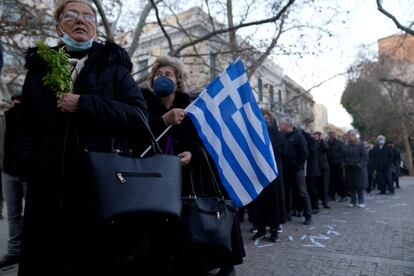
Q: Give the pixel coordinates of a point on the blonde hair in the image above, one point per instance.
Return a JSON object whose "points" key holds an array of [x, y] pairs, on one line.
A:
{"points": [[179, 67], [62, 4]]}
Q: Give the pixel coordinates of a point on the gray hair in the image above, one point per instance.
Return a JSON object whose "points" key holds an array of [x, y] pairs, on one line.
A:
{"points": [[381, 137], [174, 62], [287, 120], [352, 131]]}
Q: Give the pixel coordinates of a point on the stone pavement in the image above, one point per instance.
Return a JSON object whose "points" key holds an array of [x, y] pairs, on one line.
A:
{"points": [[378, 240]]}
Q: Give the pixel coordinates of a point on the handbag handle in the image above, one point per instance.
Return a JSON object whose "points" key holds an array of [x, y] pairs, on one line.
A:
{"points": [[154, 144], [213, 177]]}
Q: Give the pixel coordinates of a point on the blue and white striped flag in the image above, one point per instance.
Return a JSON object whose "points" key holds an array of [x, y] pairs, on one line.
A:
{"points": [[231, 126]]}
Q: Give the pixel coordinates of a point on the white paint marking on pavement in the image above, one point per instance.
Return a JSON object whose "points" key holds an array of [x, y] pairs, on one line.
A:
{"points": [[290, 238], [329, 226], [332, 232], [399, 204], [258, 245], [313, 227], [339, 220], [303, 237]]}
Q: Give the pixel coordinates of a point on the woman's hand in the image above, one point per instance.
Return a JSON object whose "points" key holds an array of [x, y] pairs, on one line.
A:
{"points": [[174, 117], [69, 103], [185, 158]]}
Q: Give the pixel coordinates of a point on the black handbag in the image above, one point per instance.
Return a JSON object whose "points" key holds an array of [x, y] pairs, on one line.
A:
{"points": [[208, 220], [121, 185]]}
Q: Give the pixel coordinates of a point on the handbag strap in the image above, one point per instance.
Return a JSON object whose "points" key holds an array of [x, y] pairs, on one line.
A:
{"points": [[213, 177], [154, 144]]}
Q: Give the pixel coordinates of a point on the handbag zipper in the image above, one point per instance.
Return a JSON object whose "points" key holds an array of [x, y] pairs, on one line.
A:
{"points": [[122, 175]]}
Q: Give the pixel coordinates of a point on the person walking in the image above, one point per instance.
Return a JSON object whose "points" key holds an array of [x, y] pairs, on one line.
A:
{"points": [[296, 156], [396, 169], [13, 187], [335, 155], [61, 233], [355, 160], [383, 158]]}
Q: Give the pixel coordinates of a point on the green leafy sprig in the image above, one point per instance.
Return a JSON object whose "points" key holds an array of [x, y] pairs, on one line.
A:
{"points": [[58, 79]]}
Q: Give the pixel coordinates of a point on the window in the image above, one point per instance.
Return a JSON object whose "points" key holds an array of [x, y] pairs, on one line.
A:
{"points": [[280, 100], [271, 96], [213, 65], [260, 89], [143, 69]]}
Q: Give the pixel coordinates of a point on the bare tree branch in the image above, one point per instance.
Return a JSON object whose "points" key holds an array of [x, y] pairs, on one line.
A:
{"points": [[140, 26], [170, 45], [397, 81], [228, 29], [394, 19], [105, 21], [262, 58]]}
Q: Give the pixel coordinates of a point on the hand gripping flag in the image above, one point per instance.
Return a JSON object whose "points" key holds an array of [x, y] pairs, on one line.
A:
{"points": [[231, 126]]}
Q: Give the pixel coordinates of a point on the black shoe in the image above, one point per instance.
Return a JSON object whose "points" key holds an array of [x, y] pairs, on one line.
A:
{"points": [[259, 234], [274, 236], [308, 221], [326, 206], [8, 260]]}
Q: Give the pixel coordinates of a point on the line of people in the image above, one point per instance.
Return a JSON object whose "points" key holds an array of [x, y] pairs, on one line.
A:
{"points": [[314, 171]]}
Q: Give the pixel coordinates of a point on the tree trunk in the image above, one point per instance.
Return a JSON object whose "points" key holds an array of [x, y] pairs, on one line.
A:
{"points": [[408, 152], [232, 33]]}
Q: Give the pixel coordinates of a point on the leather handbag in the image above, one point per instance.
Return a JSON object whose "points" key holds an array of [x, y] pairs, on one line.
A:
{"points": [[208, 220], [121, 185]]}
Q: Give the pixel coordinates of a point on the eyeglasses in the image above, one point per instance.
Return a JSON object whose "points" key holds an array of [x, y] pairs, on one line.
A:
{"points": [[72, 15]]}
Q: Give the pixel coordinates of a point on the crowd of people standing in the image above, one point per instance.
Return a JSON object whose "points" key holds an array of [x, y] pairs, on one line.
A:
{"points": [[314, 171], [60, 234]]}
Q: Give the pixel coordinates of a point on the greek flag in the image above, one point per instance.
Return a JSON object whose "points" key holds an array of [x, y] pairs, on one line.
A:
{"points": [[231, 126]]}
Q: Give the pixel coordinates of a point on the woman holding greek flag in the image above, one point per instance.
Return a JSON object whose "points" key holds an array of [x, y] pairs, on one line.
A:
{"points": [[167, 103]]}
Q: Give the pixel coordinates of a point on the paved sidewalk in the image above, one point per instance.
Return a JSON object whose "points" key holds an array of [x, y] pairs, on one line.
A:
{"points": [[378, 240]]}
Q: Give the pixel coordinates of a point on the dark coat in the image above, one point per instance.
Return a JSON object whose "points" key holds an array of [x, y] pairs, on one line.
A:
{"points": [[9, 161], [355, 162], [296, 150], [335, 151], [383, 159], [323, 148], [48, 148], [276, 199], [312, 165]]}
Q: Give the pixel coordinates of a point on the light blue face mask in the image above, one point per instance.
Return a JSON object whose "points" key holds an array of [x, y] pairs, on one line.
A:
{"points": [[76, 45]]}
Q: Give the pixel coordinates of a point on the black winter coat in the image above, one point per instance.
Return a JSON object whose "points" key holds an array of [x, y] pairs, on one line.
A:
{"points": [[49, 146], [323, 148], [355, 161], [312, 165], [296, 150], [335, 151], [11, 116], [383, 159]]}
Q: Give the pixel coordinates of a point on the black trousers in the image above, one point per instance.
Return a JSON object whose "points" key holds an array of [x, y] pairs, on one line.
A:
{"points": [[385, 181], [312, 187], [323, 187], [296, 182], [337, 185]]}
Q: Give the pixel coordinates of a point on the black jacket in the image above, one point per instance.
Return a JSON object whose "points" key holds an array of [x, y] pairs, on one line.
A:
{"points": [[312, 166], [296, 150], [335, 151], [11, 116], [383, 158], [49, 148], [323, 155]]}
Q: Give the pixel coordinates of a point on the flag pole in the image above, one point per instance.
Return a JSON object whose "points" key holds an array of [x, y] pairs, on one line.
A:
{"points": [[164, 132]]}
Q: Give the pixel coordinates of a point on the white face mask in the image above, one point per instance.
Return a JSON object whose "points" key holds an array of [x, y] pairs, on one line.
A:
{"points": [[76, 45]]}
